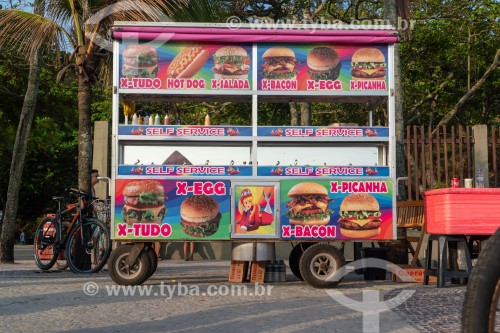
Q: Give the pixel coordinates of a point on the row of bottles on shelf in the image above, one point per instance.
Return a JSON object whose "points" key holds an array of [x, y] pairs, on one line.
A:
{"points": [[156, 120]]}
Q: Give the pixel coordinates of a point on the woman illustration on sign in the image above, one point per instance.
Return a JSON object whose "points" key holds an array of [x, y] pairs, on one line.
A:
{"points": [[252, 216], [249, 211]]}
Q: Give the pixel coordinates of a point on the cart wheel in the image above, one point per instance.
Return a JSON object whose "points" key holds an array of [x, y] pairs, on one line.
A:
{"points": [[322, 265], [153, 259], [480, 311], [124, 274], [294, 258]]}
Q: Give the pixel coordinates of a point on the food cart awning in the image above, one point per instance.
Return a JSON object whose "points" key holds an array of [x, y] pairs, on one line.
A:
{"points": [[222, 33]]}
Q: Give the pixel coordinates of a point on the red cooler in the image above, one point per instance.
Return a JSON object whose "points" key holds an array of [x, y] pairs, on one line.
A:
{"points": [[462, 211]]}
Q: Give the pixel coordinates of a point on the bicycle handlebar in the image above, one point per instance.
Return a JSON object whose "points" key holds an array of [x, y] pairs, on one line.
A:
{"points": [[81, 194]]}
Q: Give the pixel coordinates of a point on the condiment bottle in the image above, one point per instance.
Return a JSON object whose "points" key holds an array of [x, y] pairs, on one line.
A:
{"points": [[207, 119], [157, 119], [166, 120], [134, 119], [139, 120]]}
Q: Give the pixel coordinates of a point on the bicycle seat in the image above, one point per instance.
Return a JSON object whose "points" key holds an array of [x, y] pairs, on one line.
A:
{"points": [[57, 198]]}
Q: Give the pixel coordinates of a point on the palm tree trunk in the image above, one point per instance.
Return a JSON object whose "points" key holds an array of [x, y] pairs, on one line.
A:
{"points": [[7, 240], [294, 114], [305, 114], [84, 132]]}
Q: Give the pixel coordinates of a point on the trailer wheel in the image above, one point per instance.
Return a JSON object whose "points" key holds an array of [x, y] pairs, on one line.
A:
{"points": [[322, 265], [122, 273], [153, 258], [294, 258]]}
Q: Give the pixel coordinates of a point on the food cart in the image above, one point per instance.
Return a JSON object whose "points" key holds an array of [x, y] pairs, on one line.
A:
{"points": [[250, 184]]}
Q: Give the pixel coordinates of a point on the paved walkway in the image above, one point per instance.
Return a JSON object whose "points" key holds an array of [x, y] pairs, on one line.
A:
{"points": [[180, 301]]}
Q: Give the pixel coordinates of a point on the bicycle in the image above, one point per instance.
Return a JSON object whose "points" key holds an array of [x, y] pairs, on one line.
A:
{"points": [[100, 207], [86, 242], [481, 307], [100, 210]]}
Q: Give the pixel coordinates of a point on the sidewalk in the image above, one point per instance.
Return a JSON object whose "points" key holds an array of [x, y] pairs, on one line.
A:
{"points": [[31, 300]]}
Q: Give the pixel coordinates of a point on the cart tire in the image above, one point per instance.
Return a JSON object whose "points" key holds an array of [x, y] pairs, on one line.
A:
{"points": [[483, 290], [153, 259], [294, 258], [128, 276], [322, 265]]}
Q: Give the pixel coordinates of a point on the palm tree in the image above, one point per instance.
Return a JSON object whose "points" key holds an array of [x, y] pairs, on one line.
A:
{"points": [[62, 24], [19, 151]]}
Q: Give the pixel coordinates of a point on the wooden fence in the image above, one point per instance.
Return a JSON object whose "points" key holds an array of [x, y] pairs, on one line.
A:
{"points": [[436, 155]]}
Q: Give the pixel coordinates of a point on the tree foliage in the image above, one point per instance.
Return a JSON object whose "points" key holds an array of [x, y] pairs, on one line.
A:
{"points": [[458, 38]]}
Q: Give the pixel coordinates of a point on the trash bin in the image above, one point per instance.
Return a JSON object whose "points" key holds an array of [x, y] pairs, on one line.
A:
{"points": [[374, 273]]}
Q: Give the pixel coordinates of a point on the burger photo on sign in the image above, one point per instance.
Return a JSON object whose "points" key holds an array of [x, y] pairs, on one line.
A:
{"points": [[279, 64], [188, 62], [144, 202], [324, 64], [360, 216], [140, 60], [309, 204], [368, 64], [231, 62], [200, 216]]}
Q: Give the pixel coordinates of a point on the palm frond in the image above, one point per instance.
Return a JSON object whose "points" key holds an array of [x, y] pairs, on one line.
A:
{"points": [[129, 10], [28, 31], [60, 12], [196, 11]]}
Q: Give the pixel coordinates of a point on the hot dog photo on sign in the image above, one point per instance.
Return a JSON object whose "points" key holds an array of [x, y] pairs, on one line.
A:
{"points": [[188, 62]]}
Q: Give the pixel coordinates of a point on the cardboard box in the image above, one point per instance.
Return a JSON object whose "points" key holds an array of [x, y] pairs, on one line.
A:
{"points": [[238, 271], [258, 271], [416, 273]]}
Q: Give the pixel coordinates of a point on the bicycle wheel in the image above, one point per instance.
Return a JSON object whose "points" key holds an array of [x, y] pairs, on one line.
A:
{"points": [[481, 307], [45, 248], [88, 247]]}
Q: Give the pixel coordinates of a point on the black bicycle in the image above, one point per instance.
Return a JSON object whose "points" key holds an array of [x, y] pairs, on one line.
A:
{"points": [[85, 242]]}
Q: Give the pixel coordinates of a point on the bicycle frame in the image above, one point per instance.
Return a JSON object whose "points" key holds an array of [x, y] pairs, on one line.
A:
{"points": [[75, 221]]}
